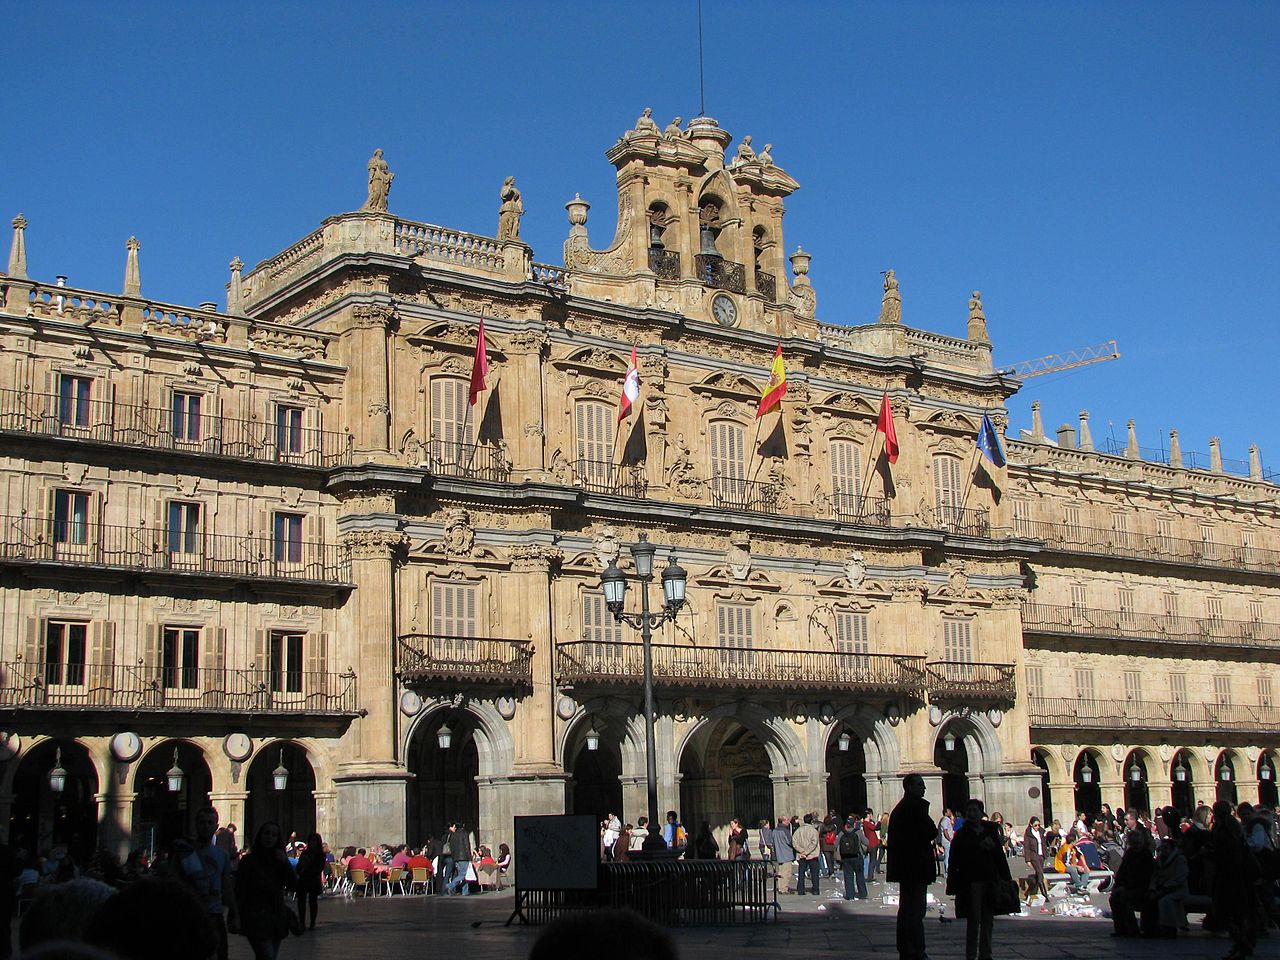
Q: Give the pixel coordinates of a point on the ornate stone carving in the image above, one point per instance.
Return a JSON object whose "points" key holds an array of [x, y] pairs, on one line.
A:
{"points": [[855, 570], [739, 555], [272, 340], [511, 211], [891, 305], [531, 341], [459, 537], [673, 131], [374, 544], [681, 476], [380, 177], [370, 315], [535, 556], [645, 126], [560, 467]]}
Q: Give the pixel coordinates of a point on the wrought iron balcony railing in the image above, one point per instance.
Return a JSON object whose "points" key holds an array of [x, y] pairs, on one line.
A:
{"points": [[585, 663], [1098, 541], [30, 539], [75, 685], [424, 659], [951, 680], [1152, 715], [1046, 618], [181, 431], [758, 496], [721, 273], [605, 476], [473, 461], [968, 522], [665, 263], [866, 511], [767, 284]]}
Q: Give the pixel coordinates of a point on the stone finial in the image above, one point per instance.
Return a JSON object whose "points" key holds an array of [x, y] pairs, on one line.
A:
{"points": [[512, 209], [1067, 437], [132, 275], [1255, 462], [1215, 454], [1086, 438], [380, 177], [800, 265], [1175, 449], [891, 305], [235, 289], [1037, 423], [18, 252], [1131, 449], [977, 320], [577, 208]]}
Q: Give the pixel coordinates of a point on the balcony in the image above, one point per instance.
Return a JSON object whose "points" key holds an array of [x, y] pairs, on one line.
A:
{"points": [[1100, 542], [38, 541], [1051, 620], [720, 273], [965, 522], [1153, 716], [585, 664], [427, 660], [767, 284], [665, 263], [758, 496], [154, 428], [605, 476], [471, 461], [81, 686], [950, 680], [864, 511]]}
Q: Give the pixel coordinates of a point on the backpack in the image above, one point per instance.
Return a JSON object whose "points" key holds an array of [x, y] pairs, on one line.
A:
{"points": [[851, 845], [829, 838], [681, 836]]}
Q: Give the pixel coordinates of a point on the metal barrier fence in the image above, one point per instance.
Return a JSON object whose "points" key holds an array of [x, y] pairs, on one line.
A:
{"points": [[669, 892]]}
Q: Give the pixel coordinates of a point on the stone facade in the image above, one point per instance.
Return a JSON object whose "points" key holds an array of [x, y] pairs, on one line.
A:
{"points": [[281, 536]]}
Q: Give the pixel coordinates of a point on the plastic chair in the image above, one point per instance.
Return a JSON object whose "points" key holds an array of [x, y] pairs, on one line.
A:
{"points": [[393, 878], [358, 879], [338, 877], [421, 880]]}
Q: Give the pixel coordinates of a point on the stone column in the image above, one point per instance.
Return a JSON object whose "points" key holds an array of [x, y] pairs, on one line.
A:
{"points": [[115, 822], [326, 812], [230, 805], [522, 391], [364, 349], [370, 791]]}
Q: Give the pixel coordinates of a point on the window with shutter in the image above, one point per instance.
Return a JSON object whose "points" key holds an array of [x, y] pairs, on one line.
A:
{"points": [[1132, 685], [846, 478], [1222, 689], [1126, 604], [70, 518], [179, 658], [1035, 682], [1071, 519], [65, 653], [288, 431], [1178, 687], [453, 617], [452, 427], [593, 432], [947, 492], [736, 634], [957, 640], [1120, 529], [852, 638], [1213, 607], [184, 527], [185, 420], [601, 632], [285, 663], [1170, 604], [1079, 598], [728, 462], [1264, 691], [1164, 531], [74, 396], [1255, 611], [1084, 683], [1022, 518], [287, 539]]}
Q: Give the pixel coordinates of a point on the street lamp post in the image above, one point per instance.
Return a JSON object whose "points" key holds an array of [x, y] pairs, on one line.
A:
{"points": [[614, 582]]}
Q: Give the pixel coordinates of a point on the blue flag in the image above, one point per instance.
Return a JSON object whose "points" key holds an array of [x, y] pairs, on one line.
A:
{"points": [[989, 443]]}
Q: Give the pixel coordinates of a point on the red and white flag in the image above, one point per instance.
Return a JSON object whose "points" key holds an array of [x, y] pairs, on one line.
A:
{"points": [[479, 367], [630, 388]]}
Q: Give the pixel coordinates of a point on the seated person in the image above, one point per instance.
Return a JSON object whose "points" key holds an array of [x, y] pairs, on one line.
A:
{"points": [[504, 858], [401, 858], [1132, 886], [1089, 850], [361, 862], [421, 861], [1069, 861]]}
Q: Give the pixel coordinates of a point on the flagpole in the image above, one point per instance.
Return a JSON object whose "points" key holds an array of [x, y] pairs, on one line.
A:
{"points": [[977, 452], [755, 444], [871, 463]]}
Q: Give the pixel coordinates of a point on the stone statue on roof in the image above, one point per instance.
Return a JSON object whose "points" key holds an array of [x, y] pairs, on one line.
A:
{"points": [[891, 305], [673, 131], [380, 177], [764, 156], [646, 125], [510, 212], [745, 153]]}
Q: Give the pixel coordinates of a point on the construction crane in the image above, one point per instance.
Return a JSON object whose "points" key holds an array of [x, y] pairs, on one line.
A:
{"points": [[1058, 362]]}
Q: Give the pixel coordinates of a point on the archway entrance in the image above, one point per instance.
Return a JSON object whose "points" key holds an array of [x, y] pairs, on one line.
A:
{"points": [[445, 762], [1088, 792], [951, 756], [1225, 776], [596, 788], [294, 807], [846, 774], [1136, 794], [1046, 798], [1267, 794], [725, 772], [162, 814], [41, 818], [1182, 789]]}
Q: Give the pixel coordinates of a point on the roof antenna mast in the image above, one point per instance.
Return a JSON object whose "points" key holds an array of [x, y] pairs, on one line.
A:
{"points": [[702, 82]]}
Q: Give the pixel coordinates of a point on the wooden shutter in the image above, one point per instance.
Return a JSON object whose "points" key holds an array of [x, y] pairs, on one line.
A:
{"points": [[102, 658], [736, 630], [1132, 685], [449, 408], [593, 432], [946, 486], [1178, 687], [851, 632], [214, 664], [1035, 682], [728, 457], [261, 655], [846, 479], [957, 641], [316, 682], [1084, 683], [33, 650]]}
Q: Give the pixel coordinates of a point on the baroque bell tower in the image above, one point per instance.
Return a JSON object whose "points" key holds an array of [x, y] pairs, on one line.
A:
{"points": [[695, 234]]}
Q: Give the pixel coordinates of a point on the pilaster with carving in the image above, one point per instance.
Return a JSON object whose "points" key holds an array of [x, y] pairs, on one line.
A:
{"points": [[528, 589], [365, 351]]}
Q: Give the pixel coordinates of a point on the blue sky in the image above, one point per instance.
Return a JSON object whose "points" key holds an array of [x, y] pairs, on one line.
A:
{"points": [[1098, 170]]}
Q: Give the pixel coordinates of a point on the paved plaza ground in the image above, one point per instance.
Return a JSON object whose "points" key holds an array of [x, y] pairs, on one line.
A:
{"points": [[472, 928]]}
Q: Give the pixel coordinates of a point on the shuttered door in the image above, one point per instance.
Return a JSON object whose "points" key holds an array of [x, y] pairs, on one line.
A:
{"points": [[593, 430], [315, 682], [451, 427], [728, 463], [600, 631], [453, 618], [846, 479], [213, 662], [102, 659], [736, 633], [957, 641], [946, 489], [851, 640]]}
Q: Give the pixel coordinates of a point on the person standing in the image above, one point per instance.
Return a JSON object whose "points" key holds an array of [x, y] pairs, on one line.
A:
{"points": [[261, 881], [311, 876], [639, 834], [737, 845], [911, 864], [784, 853], [1233, 891], [1033, 851], [1131, 887], [807, 846], [610, 830], [460, 850], [206, 868], [852, 847], [766, 839], [946, 833], [977, 862]]}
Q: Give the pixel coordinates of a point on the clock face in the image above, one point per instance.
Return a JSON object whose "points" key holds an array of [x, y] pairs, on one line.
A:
{"points": [[237, 747], [126, 747], [724, 310]]}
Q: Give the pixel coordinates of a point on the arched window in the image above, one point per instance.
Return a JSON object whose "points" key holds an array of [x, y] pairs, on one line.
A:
{"points": [[662, 261]]}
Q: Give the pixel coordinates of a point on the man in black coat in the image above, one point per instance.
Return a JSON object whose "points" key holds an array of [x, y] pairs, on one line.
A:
{"points": [[911, 864]]}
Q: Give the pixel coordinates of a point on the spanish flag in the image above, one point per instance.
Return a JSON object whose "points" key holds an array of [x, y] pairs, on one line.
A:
{"points": [[776, 388]]}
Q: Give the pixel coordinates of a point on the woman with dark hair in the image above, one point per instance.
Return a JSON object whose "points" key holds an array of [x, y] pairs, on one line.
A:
{"points": [[1235, 877], [977, 862], [738, 849], [311, 874], [261, 881], [1034, 849]]}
